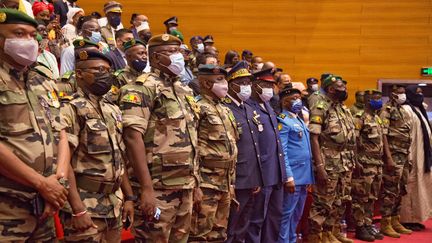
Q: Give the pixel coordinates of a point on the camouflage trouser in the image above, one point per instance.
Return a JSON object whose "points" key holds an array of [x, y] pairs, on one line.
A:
{"points": [[394, 185], [365, 191], [211, 223], [109, 230], [17, 223], [329, 201], [174, 222]]}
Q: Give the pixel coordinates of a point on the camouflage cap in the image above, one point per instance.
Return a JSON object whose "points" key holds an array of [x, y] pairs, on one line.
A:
{"points": [[241, 69], [329, 80], [132, 43], [81, 56], [164, 39], [13, 16], [210, 69]]}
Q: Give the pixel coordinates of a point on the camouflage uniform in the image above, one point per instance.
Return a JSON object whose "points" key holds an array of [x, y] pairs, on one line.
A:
{"points": [[357, 110], [217, 135], [397, 125], [67, 85], [367, 183], [94, 129], [315, 97], [29, 127], [334, 125], [108, 35], [164, 111], [122, 77]]}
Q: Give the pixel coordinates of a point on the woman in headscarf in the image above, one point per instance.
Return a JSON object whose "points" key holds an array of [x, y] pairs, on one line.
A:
{"points": [[417, 204], [231, 58], [69, 30]]}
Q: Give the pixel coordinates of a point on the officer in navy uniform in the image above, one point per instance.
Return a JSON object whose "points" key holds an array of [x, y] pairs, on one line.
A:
{"points": [[265, 222], [248, 168]]}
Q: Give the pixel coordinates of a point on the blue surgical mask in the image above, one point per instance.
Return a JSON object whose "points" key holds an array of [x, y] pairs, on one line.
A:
{"points": [[95, 37], [296, 106], [376, 104]]}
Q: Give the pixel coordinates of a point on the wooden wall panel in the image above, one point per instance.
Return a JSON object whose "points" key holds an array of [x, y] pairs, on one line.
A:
{"points": [[361, 40]]}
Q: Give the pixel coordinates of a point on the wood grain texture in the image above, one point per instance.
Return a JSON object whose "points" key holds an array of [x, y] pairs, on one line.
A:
{"points": [[361, 40]]}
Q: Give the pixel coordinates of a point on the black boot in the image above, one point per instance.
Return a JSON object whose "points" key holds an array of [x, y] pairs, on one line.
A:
{"points": [[374, 232], [363, 234]]}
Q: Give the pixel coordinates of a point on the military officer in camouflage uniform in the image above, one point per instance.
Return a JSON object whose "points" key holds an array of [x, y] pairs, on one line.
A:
{"points": [[160, 118], [357, 109], [136, 57], [98, 182], [318, 95], [367, 176], [67, 84], [333, 143], [217, 135], [397, 125], [30, 151]]}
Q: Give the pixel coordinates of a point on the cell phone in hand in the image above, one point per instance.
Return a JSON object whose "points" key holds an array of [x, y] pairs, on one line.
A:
{"points": [[157, 214]]}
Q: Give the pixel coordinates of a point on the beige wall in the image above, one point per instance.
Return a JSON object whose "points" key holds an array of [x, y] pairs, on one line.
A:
{"points": [[361, 40]]}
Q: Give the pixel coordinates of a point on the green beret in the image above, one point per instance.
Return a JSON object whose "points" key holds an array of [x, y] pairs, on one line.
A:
{"points": [[132, 43], [81, 56], [177, 34], [162, 40], [210, 69], [372, 92], [13, 16], [329, 80], [84, 43]]}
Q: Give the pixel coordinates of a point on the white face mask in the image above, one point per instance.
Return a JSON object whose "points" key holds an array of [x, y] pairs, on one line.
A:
{"points": [[177, 63], [315, 87], [245, 92], [266, 94], [259, 66], [401, 98], [220, 89], [200, 47], [22, 51], [172, 28]]}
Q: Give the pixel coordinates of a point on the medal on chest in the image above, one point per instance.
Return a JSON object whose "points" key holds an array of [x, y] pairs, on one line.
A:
{"points": [[257, 122], [54, 99]]}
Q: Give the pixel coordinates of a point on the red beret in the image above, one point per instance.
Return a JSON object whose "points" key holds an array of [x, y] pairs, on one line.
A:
{"points": [[41, 6]]}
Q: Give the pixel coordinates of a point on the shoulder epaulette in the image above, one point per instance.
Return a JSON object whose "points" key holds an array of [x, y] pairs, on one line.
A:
{"points": [[317, 92], [282, 115], [320, 104], [68, 98], [42, 70], [142, 78], [67, 74], [118, 72], [359, 113]]}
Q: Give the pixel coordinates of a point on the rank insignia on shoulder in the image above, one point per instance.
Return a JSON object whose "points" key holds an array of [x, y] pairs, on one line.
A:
{"points": [[132, 98], [316, 119], [378, 119], [280, 126], [231, 117], [320, 105], [282, 115], [227, 100], [114, 89]]}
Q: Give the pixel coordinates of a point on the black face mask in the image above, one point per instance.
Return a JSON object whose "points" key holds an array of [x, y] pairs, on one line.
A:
{"points": [[139, 65], [341, 95], [102, 84], [417, 100]]}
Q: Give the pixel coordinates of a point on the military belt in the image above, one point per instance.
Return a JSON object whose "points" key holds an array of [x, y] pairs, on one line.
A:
{"points": [[215, 163], [91, 185]]}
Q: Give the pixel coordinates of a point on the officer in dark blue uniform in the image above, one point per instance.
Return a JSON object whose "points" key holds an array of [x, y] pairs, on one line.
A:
{"points": [[248, 168], [265, 222]]}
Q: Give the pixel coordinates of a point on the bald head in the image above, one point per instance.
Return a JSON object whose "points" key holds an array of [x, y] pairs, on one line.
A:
{"points": [[268, 65]]}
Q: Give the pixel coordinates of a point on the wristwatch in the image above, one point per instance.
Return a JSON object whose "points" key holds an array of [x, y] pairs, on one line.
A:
{"points": [[132, 198]]}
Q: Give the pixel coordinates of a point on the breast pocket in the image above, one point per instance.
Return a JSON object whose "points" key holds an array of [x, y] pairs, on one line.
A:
{"points": [[216, 130], [373, 131], [295, 133], [334, 130], [14, 113], [97, 137]]}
